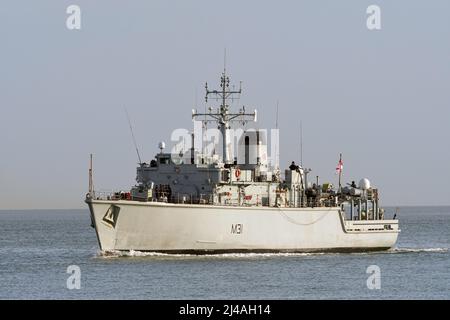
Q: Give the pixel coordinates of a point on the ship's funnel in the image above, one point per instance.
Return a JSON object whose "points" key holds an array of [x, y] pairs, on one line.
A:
{"points": [[252, 148]]}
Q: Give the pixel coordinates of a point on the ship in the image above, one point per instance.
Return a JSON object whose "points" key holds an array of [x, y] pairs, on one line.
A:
{"points": [[199, 202]]}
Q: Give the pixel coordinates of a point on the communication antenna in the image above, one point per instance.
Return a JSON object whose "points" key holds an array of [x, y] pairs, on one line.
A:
{"points": [[91, 180], [132, 135], [277, 153], [204, 129], [276, 118], [301, 143], [224, 60], [196, 102]]}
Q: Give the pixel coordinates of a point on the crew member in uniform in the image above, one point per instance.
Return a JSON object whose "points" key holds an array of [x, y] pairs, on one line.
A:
{"points": [[293, 166]]}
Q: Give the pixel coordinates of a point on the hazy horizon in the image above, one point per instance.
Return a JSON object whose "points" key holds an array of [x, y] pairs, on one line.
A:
{"points": [[84, 210], [381, 98]]}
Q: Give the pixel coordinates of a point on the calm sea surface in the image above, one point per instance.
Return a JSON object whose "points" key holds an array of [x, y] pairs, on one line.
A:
{"points": [[37, 247]]}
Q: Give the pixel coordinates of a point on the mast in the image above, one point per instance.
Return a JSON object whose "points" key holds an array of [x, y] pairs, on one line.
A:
{"points": [[301, 143], [132, 136], [340, 165], [277, 153], [91, 182], [223, 116]]}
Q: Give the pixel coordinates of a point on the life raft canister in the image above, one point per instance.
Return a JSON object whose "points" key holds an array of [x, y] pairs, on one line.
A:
{"points": [[237, 173]]}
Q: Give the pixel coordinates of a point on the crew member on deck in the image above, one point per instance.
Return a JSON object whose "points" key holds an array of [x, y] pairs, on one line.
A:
{"points": [[293, 166]]}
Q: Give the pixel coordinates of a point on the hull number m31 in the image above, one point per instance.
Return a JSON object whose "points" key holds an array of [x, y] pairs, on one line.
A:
{"points": [[237, 228]]}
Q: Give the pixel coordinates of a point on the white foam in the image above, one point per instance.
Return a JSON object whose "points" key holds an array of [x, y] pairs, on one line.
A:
{"points": [[134, 253], [416, 250], [403, 250], [131, 253]]}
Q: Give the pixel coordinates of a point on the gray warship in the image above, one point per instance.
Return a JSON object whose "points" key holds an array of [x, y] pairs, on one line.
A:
{"points": [[203, 203]]}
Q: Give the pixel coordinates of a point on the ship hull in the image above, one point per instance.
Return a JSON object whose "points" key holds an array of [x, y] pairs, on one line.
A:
{"points": [[181, 228]]}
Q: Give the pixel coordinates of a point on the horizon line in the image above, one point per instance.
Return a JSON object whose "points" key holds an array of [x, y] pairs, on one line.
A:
{"points": [[55, 209]]}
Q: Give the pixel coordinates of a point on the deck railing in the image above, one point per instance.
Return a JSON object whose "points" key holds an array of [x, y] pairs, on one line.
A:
{"points": [[207, 199]]}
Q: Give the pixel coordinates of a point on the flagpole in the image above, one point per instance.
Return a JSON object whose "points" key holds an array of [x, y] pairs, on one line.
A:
{"points": [[340, 170]]}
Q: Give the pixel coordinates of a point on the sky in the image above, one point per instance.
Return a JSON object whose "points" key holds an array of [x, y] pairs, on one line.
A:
{"points": [[379, 97]]}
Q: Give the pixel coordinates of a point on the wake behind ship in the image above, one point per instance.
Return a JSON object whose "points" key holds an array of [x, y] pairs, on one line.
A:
{"points": [[198, 202]]}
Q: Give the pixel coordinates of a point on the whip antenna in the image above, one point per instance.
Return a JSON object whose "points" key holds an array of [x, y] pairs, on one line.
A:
{"points": [[132, 135], [301, 143]]}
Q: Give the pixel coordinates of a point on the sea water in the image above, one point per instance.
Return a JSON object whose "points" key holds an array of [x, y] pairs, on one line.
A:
{"points": [[43, 251]]}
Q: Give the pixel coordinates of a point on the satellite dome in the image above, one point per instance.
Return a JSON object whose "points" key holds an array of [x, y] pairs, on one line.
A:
{"points": [[364, 184]]}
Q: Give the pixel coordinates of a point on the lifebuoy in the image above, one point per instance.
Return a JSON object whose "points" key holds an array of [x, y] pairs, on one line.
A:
{"points": [[237, 173]]}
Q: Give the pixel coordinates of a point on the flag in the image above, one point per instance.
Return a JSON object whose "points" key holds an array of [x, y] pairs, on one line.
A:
{"points": [[340, 166]]}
